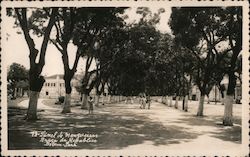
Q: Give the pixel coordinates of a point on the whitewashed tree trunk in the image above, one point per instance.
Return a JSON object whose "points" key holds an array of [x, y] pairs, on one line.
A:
{"points": [[176, 102], [186, 103], [20, 92], [32, 109], [109, 98], [84, 101], [66, 105], [167, 100], [201, 106], [97, 100], [15, 92], [102, 99], [171, 101], [228, 111]]}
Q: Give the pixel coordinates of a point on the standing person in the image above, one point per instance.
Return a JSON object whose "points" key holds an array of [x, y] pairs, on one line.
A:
{"points": [[91, 102], [144, 101], [148, 101]]}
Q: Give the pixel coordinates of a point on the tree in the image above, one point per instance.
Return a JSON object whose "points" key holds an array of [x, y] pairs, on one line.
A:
{"points": [[100, 23], [232, 19], [136, 72], [35, 79], [17, 77], [65, 25], [204, 31]]}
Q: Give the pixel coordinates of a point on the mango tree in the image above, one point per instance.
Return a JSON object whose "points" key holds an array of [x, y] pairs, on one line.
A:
{"points": [[35, 79]]}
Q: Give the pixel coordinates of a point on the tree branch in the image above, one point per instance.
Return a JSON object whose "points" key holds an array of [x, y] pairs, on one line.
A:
{"points": [[56, 45], [46, 37], [22, 18], [78, 55]]}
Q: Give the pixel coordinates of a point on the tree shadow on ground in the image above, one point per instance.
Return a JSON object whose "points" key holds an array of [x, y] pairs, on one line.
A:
{"points": [[115, 131], [225, 133]]}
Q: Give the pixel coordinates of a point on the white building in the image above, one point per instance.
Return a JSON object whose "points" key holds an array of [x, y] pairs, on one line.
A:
{"points": [[54, 87], [215, 94]]}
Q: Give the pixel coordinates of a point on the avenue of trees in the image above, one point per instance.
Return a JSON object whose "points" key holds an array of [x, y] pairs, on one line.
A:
{"points": [[132, 58]]}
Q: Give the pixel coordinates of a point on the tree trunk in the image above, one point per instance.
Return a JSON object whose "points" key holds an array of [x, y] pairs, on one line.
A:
{"points": [[176, 102], [183, 102], [32, 109], [109, 98], [66, 105], [167, 100], [201, 105], [36, 84], [171, 101], [21, 92], [186, 103], [68, 90], [15, 92], [97, 100], [102, 99], [228, 111], [126, 100], [229, 98], [84, 104]]}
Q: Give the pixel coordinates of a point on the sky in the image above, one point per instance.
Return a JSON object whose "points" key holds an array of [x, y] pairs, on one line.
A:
{"points": [[16, 48]]}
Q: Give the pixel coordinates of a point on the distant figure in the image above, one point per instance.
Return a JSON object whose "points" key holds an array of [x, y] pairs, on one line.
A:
{"points": [[91, 102], [142, 100], [148, 101]]}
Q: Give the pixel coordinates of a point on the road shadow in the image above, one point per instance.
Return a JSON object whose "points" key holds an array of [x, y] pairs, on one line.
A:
{"points": [[225, 133], [115, 130]]}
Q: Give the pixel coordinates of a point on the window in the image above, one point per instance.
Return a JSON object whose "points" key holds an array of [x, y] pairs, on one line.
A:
{"points": [[47, 93]]}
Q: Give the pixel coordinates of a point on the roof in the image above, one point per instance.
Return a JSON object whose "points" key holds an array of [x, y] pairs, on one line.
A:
{"points": [[76, 76], [54, 76]]}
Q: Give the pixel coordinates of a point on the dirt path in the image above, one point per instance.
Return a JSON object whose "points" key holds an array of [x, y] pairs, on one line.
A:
{"points": [[125, 126], [187, 130]]}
